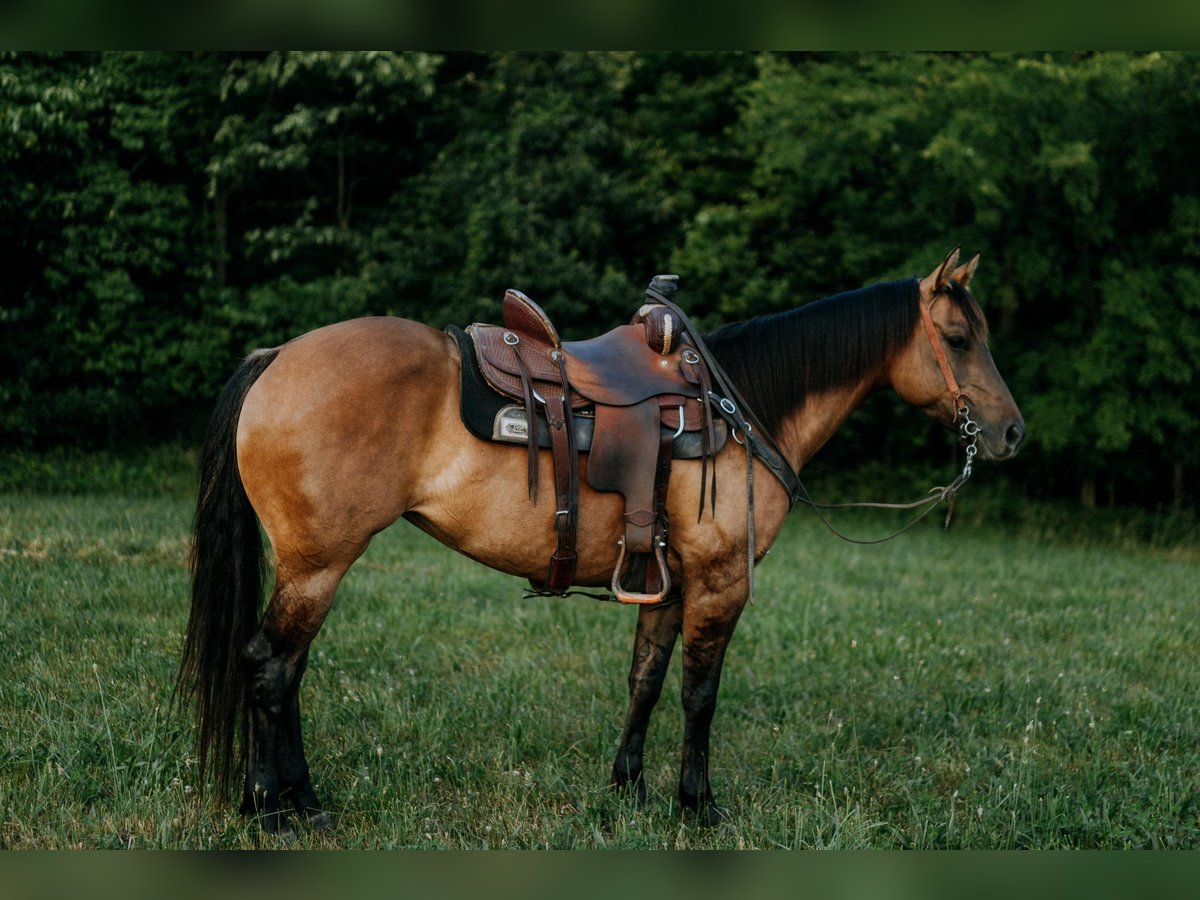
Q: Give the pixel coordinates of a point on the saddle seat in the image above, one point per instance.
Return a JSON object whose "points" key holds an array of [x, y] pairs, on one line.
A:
{"points": [[618, 368], [644, 385]]}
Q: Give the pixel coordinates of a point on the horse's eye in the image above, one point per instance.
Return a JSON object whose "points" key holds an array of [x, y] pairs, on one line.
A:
{"points": [[957, 342]]}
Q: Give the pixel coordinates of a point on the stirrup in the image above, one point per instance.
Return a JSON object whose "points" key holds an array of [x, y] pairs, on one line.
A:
{"points": [[633, 596]]}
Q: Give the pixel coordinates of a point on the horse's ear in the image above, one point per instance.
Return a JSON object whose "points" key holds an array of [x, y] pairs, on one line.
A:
{"points": [[939, 277], [964, 272]]}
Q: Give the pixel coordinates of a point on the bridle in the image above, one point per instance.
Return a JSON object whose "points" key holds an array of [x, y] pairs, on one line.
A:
{"points": [[940, 353], [968, 429]]}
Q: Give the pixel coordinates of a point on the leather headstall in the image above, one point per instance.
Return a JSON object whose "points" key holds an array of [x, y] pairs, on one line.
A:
{"points": [[943, 363]]}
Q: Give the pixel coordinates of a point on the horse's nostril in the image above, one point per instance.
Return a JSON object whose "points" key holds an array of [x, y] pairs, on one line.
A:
{"points": [[1014, 434]]}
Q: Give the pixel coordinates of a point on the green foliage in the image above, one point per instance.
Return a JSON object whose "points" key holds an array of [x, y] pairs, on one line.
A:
{"points": [[1067, 172], [159, 470], [98, 150], [168, 212], [538, 171]]}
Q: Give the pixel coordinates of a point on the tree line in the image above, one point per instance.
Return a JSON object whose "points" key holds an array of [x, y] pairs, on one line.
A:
{"points": [[164, 213]]}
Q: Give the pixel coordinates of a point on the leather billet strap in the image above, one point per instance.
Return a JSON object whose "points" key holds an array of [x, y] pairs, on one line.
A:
{"points": [[566, 483], [943, 363], [561, 572], [528, 394], [697, 374]]}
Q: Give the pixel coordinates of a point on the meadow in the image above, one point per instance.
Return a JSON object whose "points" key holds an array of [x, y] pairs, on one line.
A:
{"points": [[993, 686]]}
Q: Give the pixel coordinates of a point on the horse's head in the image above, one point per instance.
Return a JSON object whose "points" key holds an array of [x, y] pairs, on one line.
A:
{"points": [[947, 364]]}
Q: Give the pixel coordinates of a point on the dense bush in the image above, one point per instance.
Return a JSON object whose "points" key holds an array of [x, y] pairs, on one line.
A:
{"points": [[166, 212]]}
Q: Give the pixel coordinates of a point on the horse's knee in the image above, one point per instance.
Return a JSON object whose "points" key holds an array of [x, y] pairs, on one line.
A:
{"points": [[699, 699], [645, 688]]}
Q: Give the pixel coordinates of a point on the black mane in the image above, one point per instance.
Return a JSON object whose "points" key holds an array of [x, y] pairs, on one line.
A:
{"points": [[777, 360]]}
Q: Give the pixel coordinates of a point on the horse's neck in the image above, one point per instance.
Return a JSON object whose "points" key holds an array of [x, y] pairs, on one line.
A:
{"points": [[805, 430]]}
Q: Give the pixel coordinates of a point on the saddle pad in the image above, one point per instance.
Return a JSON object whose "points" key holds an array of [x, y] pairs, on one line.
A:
{"points": [[491, 416]]}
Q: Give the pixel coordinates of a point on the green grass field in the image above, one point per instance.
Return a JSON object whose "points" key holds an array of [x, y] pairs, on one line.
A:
{"points": [[976, 688]]}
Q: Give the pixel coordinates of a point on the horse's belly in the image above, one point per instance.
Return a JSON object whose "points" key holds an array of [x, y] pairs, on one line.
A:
{"points": [[478, 504]]}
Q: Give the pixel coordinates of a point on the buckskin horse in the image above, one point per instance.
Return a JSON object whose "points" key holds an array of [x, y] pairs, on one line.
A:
{"points": [[315, 440]]}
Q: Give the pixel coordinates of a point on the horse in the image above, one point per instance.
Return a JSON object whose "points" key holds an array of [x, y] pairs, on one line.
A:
{"points": [[330, 438]]}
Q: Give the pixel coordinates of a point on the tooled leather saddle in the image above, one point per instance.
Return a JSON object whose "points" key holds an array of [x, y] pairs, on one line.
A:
{"points": [[632, 399]]}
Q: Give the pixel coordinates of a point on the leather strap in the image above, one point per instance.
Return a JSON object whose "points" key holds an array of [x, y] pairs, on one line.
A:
{"points": [[561, 572], [656, 580], [940, 353], [566, 496], [527, 391], [763, 445], [708, 442]]}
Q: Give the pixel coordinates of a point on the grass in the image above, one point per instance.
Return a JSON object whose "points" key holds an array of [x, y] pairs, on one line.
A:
{"points": [[987, 687]]}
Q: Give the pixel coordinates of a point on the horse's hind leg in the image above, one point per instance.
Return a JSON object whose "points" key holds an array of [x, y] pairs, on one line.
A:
{"points": [[296, 784], [657, 630], [276, 657]]}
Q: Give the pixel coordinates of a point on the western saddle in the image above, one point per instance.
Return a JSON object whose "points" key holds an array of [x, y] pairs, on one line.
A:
{"points": [[644, 385]]}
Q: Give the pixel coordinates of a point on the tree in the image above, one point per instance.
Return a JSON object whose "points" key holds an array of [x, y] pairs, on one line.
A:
{"points": [[871, 163], [97, 151], [309, 148], [167, 212]]}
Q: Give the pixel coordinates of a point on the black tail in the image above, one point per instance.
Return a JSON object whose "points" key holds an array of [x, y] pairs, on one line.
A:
{"points": [[227, 584]]}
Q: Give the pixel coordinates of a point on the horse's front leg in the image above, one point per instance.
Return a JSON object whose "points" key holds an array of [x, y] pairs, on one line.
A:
{"points": [[657, 629], [708, 623]]}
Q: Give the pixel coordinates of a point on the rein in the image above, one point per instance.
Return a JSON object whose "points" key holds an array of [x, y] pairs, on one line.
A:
{"points": [[968, 432]]}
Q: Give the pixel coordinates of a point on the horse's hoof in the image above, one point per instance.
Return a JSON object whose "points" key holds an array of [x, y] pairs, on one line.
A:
{"points": [[713, 815], [634, 788], [278, 828], [319, 820], [707, 812]]}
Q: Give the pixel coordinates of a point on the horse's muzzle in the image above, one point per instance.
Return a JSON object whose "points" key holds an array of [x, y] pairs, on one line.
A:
{"points": [[1004, 442]]}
